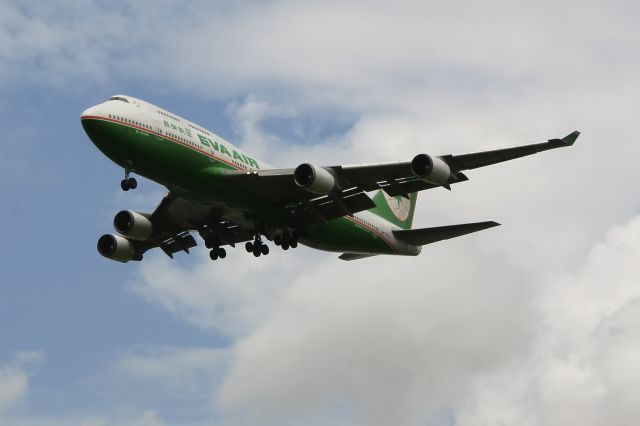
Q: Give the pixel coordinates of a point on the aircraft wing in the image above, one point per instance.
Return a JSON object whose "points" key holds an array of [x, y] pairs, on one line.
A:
{"points": [[398, 178], [486, 158], [336, 191], [175, 217]]}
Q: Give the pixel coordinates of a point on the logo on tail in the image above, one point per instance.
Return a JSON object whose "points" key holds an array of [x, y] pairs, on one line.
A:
{"points": [[395, 209], [399, 205]]}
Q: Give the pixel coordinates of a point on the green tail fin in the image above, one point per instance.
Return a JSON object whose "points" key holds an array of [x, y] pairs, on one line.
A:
{"points": [[397, 210]]}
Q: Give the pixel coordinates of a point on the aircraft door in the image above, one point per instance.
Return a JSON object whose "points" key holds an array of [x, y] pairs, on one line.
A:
{"points": [[157, 128]]}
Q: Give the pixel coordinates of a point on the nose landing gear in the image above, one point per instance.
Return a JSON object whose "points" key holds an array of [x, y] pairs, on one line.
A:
{"points": [[212, 242], [128, 182]]}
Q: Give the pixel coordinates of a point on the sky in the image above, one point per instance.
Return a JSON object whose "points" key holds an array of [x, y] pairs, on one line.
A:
{"points": [[536, 322]]}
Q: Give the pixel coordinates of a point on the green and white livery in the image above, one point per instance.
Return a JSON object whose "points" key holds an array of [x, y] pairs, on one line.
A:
{"points": [[228, 197]]}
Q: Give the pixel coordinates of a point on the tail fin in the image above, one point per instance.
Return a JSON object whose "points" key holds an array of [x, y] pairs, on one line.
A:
{"points": [[397, 210]]}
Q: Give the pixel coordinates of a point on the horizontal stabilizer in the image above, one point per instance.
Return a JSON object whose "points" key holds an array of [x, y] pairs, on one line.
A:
{"points": [[354, 256], [421, 237]]}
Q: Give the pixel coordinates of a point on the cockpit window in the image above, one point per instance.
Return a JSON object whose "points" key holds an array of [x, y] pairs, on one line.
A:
{"points": [[118, 98]]}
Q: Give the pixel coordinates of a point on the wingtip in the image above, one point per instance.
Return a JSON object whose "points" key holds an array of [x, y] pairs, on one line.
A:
{"points": [[571, 138]]}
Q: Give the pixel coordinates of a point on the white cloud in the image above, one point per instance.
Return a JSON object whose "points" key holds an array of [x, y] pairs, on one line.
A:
{"points": [[14, 380], [408, 342], [582, 369], [376, 56], [188, 369], [392, 346], [207, 295], [74, 45], [360, 56], [13, 386], [458, 329], [488, 327], [492, 328]]}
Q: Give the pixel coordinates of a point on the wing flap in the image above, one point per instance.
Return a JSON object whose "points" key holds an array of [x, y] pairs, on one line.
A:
{"points": [[181, 242], [342, 205], [424, 236]]}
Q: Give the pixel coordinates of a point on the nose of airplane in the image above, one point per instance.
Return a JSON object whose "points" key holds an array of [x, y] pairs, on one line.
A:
{"points": [[90, 112], [90, 119], [101, 131]]}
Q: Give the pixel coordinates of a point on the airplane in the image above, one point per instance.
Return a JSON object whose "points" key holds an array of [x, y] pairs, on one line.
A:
{"points": [[228, 197]]}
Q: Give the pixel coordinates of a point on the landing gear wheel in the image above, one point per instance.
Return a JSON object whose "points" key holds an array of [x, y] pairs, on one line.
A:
{"points": [[222, 253], [257, 246], [293, 244], [277, 240], [128, 182], [213, 254], [285, 246]]}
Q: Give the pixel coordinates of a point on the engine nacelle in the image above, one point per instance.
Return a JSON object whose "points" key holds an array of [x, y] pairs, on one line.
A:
{"points": [[117, 248], [430, 169], [133, 225], [314, 179]]}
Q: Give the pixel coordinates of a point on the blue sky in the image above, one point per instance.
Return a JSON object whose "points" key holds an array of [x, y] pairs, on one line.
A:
{"points": [[57, 299], [532, 323]]}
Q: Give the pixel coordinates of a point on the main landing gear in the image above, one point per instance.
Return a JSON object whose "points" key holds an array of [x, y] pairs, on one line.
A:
{"points": [[287, 240], [257, 247], [217, 253], [212, 242], [128, 182]]}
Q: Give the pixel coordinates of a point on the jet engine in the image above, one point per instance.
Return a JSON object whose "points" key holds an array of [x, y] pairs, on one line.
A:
{"points": [[430, 169], [314, 179], [133, 225], [117, 248]]}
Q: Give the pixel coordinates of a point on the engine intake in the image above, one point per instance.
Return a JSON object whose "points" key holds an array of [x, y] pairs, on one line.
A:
{"points": [[133, 225], [430, 169], [314, 179], [117, 248]]}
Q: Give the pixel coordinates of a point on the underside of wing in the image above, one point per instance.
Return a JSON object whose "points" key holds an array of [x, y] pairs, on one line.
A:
{"points": [[486, 158], [310, 194], [169, 227], [284, 201]]}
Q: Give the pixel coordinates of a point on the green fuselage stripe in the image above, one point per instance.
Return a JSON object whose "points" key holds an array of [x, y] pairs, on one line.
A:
{"points": [[166, 137]]}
